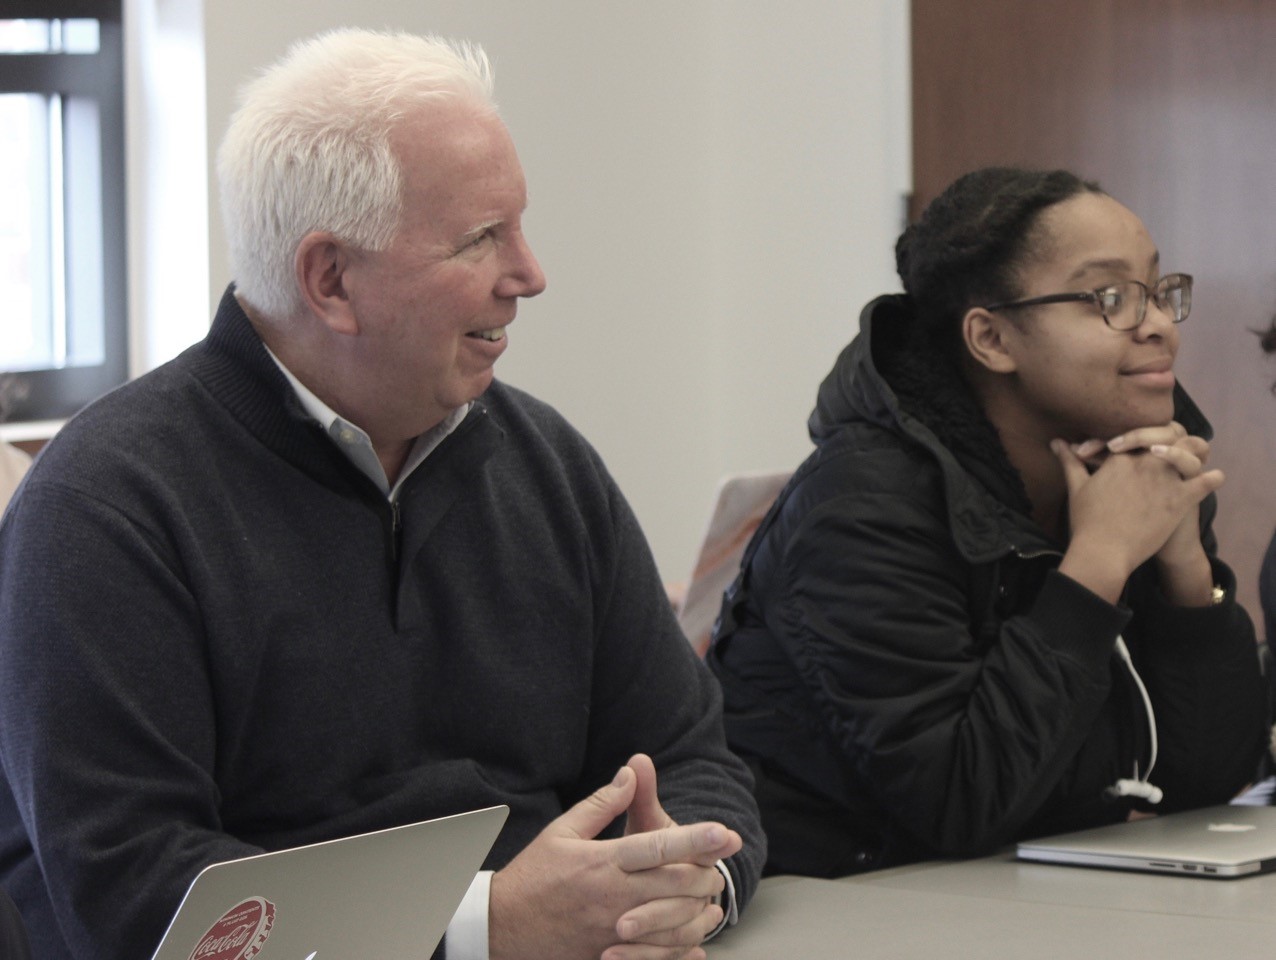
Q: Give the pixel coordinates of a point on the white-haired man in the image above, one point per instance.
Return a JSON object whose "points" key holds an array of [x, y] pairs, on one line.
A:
{"points": [[322, 574]]}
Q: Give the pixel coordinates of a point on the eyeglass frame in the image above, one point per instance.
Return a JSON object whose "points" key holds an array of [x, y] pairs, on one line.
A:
{"points": [[1093, 297]]}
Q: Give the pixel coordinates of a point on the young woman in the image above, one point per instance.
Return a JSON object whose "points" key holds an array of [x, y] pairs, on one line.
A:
{"points": [[988, 605]]}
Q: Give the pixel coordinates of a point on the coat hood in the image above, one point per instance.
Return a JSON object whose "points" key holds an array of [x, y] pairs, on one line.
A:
{"points": [[854, 389]]}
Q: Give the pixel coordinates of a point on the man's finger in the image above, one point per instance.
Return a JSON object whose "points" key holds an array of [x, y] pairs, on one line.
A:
{"points": [[647, 951], [645, 813], [699, 843], [672, 921], [673, 881]]}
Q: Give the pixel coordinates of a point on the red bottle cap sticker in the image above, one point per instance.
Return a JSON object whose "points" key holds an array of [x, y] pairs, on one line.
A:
{"points": [[239, 934]]}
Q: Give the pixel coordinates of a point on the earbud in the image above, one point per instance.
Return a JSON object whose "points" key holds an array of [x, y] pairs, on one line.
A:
{"points": [[1134, 788], [1137, 787]]}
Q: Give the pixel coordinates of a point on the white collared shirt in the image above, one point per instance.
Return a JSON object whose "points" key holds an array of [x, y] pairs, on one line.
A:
{"points": [[354, 442]]}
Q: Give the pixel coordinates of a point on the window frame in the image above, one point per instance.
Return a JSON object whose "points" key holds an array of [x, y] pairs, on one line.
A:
{"points": [[36, 395]]}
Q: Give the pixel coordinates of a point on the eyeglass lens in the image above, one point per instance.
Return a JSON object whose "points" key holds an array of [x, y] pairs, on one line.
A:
{"points": [[1125, 304]]}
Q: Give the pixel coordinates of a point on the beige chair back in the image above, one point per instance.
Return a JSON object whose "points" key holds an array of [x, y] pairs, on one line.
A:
{"points": [[739, 505]]}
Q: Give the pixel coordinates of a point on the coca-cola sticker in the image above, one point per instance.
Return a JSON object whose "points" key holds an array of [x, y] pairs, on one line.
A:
{"points": [[239, 934]]}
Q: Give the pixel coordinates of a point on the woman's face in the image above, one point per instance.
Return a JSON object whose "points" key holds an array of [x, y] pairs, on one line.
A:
{"points": [[1075, 377]]}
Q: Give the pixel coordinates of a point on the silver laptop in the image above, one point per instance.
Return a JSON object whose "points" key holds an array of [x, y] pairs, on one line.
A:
{"points": [[388, 894], [1217, 842]]}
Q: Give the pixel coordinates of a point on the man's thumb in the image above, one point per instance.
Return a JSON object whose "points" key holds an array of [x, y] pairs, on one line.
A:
{"points": [[591, 816]]}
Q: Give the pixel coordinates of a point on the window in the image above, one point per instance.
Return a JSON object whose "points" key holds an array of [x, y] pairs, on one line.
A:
{"points": [[63, 332]]}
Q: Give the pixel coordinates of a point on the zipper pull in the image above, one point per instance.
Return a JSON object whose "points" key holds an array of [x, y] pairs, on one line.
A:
{"points": [[395, 525]]}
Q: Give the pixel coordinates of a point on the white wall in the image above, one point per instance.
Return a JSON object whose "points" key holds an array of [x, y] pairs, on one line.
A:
{"points": [[167, 179], [715, 190]]}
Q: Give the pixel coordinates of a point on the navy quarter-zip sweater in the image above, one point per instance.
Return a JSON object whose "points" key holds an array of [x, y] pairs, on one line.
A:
{"points": [[215, 640]]}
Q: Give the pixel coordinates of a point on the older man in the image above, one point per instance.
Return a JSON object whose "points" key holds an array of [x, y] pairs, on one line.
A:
{"points": [[322, 574]]}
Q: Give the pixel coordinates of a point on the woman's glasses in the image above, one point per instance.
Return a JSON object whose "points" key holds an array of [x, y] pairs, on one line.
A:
{"points": [[1123, 305]]}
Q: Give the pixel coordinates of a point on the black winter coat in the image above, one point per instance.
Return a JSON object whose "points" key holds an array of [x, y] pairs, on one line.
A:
{"points": [[910, 676]]}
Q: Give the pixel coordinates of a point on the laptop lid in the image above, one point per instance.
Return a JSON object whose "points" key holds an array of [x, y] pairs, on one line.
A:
{"points": [[388, 894], [1215, 842]]}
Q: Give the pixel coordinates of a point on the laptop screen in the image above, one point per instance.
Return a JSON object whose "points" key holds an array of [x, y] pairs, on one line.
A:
{"points": [[385, 894]]}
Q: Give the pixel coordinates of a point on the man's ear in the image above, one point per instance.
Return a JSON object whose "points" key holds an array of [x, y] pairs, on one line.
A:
{"points": [[320, 264], [985, 336]]}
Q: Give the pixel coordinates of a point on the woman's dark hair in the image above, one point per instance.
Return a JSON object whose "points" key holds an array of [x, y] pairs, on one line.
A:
{"points": [[971, 241], [965, 251]]}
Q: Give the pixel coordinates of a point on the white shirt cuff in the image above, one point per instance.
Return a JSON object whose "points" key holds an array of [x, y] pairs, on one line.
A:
{"points": [[467, 933]]}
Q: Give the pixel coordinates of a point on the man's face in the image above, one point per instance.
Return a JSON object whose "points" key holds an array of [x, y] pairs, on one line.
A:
{"points": [[432, 308]]}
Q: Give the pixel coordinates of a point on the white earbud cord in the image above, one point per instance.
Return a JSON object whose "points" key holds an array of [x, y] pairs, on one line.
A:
{"points": [[1139, 786]]}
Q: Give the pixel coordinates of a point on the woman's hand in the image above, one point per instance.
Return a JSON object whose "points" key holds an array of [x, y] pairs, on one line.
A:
{"points": [[1138, 495]]}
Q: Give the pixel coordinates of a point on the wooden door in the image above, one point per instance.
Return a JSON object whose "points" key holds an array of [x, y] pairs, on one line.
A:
{"points": [[1171, 106]]}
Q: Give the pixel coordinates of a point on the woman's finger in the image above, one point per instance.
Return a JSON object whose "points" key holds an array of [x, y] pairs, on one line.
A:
{"points": [[1180, 458], [1145, 437]]}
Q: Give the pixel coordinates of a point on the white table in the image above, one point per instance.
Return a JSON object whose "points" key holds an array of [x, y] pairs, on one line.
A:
{"points": [[998, 908]]}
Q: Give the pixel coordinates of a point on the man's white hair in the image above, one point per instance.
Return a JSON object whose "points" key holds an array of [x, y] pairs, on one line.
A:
{"points": [[309, 148]]}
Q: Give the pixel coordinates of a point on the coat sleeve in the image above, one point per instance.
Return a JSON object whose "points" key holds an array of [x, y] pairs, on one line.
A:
{"points": [[98, 633], [653, 694], [958, 738]]}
